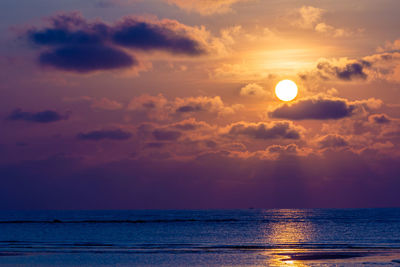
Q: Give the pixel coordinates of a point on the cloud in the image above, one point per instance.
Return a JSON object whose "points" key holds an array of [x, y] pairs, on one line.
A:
{"points": [[337, 178], [202, 104], [46, 116], [147, 102], [309, 17], [87, 58], [74, 44], [96, 103], [253, 90], [380, 66], [291, 148], [349, 71], [390, 46], [385, 66], [322, 27], [167, 35], [314, 108], [320, 108], [160, 108], [285, 130], [205, 7], [190, 125], [332, 141], [166, 135], [379, 118], [105, 134]]}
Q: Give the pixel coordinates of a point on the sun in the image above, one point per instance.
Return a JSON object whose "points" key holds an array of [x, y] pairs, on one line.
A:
{"points": [[286, 90]]}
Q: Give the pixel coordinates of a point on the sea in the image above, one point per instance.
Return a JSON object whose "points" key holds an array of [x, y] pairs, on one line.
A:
{"points": [[252, 237]]}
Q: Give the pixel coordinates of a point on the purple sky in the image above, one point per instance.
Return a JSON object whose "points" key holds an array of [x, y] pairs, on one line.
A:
{"points": [[131, 104]]}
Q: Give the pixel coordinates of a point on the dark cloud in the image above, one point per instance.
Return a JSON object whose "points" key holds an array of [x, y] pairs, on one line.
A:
{"points": [[318, 109], [152, 36], [379, 118], [62, 36], [211, 144], [350, 70], [46, 116], [105, 134], [186, 126], [202, 104], [189, 108], [155, 144], [74, 44], [190, 125], [292, 148], [347, 72], [265, 131], [332, 140], [87, 58], [166, 135]]}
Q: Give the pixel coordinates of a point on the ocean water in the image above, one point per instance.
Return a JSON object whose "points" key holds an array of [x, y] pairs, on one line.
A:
{"points": [[312, 237]]}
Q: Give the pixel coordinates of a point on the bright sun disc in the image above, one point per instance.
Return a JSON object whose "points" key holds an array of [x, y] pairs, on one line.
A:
{"points": [[286, 90]]}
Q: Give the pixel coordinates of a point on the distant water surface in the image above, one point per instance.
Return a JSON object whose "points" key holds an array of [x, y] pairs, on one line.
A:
{"points": [[313, 237]]}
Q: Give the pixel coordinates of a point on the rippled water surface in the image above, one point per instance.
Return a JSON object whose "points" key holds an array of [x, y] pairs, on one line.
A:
{"points": [[315, 237]]}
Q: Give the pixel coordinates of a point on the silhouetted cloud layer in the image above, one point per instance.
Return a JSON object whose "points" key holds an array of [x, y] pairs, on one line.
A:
{"points": [[46, 116], [338, 179], [319, 109], [105, 134], [75, 44]]}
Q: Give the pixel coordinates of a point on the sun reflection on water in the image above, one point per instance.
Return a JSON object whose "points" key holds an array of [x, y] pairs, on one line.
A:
{"points": [[286, 234]]}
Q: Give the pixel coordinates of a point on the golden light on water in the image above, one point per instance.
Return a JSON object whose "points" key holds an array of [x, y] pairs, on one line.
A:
{"points": [[286, 90], [288, 235]]}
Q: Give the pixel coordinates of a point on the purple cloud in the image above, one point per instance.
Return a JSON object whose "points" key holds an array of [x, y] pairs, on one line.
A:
{"points": [[46, 116], [166, 135], [87, 58], [332, 140], [338, 179], [347, 71], [99, 135], [379, 118], [74, 44], [317, 109], [284, 130], [153, 36]]}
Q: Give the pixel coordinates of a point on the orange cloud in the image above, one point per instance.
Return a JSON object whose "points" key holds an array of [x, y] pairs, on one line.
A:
{"points": [[309, 17]]}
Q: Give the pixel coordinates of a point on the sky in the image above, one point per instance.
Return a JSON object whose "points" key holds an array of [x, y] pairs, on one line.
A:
{"points": [[170, 104]]}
